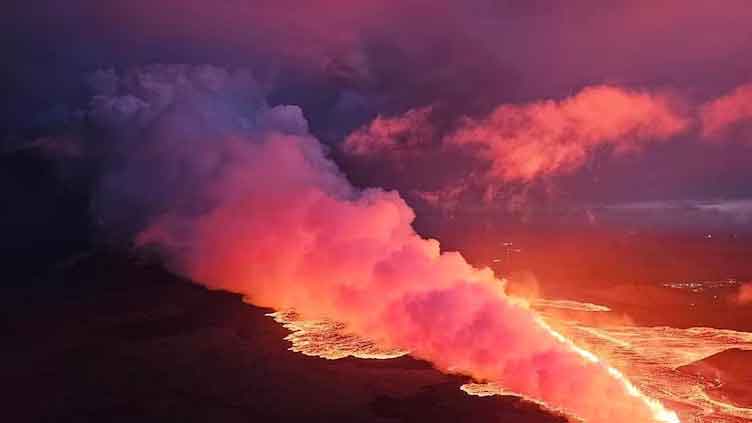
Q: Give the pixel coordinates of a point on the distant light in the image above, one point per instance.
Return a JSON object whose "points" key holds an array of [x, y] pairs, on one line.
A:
{"points": [[708, 236]]}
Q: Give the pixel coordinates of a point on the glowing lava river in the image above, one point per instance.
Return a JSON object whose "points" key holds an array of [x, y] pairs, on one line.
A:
{"points": [[645, 359]]}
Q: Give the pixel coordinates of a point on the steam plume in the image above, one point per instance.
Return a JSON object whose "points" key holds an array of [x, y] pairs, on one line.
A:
{"points": [[238, 196]]}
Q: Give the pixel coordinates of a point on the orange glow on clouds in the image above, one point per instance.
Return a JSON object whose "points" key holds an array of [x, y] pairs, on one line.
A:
{"points": [[526, 142]]}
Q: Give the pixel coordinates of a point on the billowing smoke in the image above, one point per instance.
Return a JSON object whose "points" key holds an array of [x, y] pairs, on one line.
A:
{"points": [[238, 196]]}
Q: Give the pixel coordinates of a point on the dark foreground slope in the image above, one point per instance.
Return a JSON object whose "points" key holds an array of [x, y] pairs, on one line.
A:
{"points": [[107, 338], [728, 374]]}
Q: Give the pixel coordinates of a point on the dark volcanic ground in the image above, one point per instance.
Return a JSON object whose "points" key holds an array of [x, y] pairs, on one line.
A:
{"points": [[104, 337]]}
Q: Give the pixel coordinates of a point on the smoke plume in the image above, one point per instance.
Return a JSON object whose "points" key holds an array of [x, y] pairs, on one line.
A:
{"points": [[238, 196]]}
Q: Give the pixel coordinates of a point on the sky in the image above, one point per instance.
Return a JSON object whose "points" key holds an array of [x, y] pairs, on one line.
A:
{"points": [[533, 113]]}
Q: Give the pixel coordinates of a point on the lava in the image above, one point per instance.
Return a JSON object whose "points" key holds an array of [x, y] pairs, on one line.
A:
{"points": [[329, 339], [644, 359], [650, 358], [659, 411]]}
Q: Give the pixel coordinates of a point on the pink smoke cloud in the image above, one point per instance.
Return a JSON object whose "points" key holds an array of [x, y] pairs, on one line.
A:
{"points": [[724, 113], [268, 215], [523, 143]]}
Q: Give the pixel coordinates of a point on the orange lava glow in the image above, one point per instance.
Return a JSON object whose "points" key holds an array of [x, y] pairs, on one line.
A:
{"points": [[660, 413], [643, 359]]}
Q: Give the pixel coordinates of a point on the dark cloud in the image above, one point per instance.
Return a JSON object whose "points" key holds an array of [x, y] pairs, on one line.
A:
{"points": [[344, 63]]}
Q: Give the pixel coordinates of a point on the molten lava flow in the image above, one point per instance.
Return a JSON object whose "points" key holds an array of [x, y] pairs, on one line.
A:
{"points": [[649, 357], [328, 339], [331, 340], [660, 413]]}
